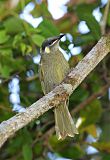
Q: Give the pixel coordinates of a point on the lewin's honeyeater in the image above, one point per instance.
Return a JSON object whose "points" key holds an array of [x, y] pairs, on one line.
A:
{"points": [[53, 68]]}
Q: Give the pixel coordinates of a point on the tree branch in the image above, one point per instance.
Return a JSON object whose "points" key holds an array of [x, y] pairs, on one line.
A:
{"points": [[59, 94]]}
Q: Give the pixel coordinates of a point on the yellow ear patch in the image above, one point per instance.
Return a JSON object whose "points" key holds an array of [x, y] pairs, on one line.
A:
{"points": [[47, 49]]}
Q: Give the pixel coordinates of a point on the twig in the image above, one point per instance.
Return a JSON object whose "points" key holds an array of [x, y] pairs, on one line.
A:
{"points": [[59, 94], [5, 108], [90, 99], [104, 19], [32, 78]]}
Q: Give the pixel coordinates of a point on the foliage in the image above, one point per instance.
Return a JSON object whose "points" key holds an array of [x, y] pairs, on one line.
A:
{"points": [[19, 45]]}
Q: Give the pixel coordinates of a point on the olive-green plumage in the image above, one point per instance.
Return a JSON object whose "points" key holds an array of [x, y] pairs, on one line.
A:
{"points": [[53, 68]]}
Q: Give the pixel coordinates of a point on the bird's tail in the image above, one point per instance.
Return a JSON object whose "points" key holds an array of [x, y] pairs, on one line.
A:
{"points": [[64, 124]]}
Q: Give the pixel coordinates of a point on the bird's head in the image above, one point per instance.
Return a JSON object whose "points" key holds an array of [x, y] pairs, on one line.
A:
{"points": [[51, 44]]}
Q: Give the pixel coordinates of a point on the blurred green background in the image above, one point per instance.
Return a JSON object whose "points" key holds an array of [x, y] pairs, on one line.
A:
{"points": [[24, 24]]}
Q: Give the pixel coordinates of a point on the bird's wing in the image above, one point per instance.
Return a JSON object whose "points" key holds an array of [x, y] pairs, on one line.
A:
{"points": [[41, 76]]}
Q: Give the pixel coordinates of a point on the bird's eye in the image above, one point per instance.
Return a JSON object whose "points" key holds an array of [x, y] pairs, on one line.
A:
{"points": [[50, 43]]}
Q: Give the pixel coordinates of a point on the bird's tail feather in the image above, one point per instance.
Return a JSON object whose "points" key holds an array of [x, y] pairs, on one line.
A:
{"points": [[64, 124]]}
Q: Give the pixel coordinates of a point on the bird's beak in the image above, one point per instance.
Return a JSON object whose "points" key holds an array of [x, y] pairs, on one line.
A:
{"points": [[55, 42], [57, 38], [60, 36]]}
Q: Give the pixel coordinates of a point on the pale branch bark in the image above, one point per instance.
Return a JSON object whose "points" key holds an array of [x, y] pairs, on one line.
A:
{"points": [[59, 94]]}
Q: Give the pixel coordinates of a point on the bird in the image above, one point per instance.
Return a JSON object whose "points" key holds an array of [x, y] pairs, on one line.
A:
{"points": [[53, 68]]}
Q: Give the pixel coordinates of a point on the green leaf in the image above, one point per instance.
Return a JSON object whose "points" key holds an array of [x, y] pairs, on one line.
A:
{"points": [[84, 8], [3, 36], [48, 29], [37, 39], [91, 129], [5, 71], [83, 39], [8, 63], [27, 152], [93, 26], [84, 12], [80, 92], [73, 152], [14, 25], [23, 47], [15, 145], [20, 44], [60, 146], [38, 148], [55, 143], [92, 113], [102, 146], [105, 129], [17, 39], [5, 53], [108, 19], [95, 82], [105, 156], [28, 49], [40, 10]]}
